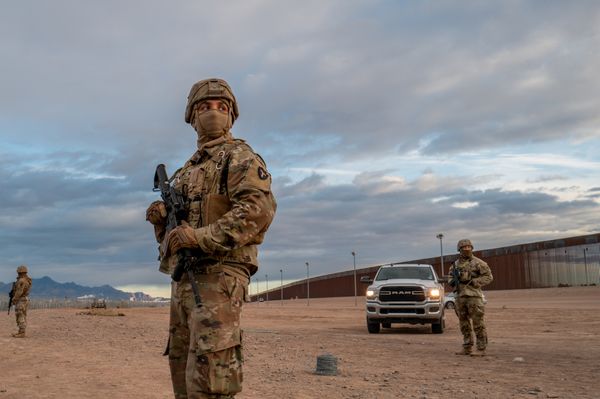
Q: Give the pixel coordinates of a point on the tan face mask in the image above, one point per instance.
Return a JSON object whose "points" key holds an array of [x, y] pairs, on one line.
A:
{"points": [[466, 253], [211, 124]]}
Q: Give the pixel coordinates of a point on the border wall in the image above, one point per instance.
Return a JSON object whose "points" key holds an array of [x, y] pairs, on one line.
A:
{"points": [[562, 262]]}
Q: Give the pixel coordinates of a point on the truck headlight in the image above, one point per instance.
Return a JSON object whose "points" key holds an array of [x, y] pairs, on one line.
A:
{"points": [[434, 293], [371, 294]]}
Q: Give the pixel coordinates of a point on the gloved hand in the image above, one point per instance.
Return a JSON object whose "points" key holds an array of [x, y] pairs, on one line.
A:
{"points": [[182, 237], [157, 213]]}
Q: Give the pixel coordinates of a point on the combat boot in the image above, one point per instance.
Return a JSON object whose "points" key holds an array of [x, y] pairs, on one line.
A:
{"points": [[20, 334], [479, 352], [466, 351]]}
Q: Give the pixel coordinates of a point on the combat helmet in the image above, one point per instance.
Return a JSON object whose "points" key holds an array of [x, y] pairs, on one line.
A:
{"points": [[462, 243], [212, 88], [22, 269]]}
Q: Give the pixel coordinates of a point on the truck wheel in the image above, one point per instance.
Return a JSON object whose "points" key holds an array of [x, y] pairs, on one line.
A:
{"points": [[386, 325], [373, 327], [438, 328], [450, 305]]}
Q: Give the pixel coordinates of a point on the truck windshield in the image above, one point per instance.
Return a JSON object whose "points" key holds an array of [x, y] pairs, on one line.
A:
{"points": [[423, 273]]}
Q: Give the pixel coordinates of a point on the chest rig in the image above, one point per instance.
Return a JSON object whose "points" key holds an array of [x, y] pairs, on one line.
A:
{"points": [[203, 183], [466, 269]]}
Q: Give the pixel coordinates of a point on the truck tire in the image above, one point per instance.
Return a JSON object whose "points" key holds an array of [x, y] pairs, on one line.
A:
{"points": [[373, 327], [438, 328]]}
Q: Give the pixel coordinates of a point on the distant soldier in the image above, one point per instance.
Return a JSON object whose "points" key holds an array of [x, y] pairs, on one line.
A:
{"points": [[467, 275], [21, 299], [229, 207]]}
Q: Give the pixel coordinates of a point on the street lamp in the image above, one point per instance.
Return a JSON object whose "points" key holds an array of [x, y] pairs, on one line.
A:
{"points": [[440, 236], [587, 282], [257, 296], [307, 286], [354, 261], [281, 272], [267, 282]]}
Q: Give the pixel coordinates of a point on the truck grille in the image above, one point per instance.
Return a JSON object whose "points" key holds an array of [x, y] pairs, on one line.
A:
{"points": [[401, 294]]}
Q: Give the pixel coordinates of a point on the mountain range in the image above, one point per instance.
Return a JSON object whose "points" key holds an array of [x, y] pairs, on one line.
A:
{"points": [[45, 287]]}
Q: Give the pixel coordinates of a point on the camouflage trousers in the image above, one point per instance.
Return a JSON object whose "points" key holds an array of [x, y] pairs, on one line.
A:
{"points": [[205, 347], [471, 309], [21, 313]]}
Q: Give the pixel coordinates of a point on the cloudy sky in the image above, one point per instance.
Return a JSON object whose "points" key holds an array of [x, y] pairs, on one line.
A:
{"points": [[383, 123]]}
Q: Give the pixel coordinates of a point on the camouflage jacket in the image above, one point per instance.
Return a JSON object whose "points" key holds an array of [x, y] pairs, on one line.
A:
{"points": [[22, 288], [474, 273], [230, 204]]}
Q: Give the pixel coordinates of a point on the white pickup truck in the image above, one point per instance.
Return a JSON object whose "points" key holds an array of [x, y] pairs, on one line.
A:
{"points": [[405, 293]]}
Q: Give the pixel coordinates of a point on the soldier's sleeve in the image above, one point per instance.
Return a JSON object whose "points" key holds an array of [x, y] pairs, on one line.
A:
{"points": [[19, 289], [159, 232], [252, 206], [485, 275]]}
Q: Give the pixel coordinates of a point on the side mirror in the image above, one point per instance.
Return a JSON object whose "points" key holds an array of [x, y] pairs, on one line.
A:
{"points": [[366, 280]]}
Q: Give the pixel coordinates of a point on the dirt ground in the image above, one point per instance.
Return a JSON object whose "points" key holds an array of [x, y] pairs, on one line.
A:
{"points": [[544, 343]]}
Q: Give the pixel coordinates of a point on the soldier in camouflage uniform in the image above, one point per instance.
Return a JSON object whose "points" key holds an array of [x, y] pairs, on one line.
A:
{"points": [[473, 273], [230, 207], [21, 300]]}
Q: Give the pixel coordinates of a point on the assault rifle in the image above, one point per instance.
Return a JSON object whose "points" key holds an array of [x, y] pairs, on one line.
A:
{"points": [[176, 213], [11, 295], [455, 281]]}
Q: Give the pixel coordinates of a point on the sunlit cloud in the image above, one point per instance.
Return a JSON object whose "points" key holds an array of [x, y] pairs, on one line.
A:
{"points": [[465, 205]]}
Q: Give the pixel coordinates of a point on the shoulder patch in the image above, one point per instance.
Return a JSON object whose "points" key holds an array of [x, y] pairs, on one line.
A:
{"points": [[262, 173]]}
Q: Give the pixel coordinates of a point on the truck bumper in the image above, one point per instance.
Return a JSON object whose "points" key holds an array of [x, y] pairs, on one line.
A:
{"points": [[414, 313]]}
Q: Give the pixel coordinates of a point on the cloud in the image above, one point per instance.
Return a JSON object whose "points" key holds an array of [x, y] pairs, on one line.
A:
{"points": [[395, 225], [376, 120]]}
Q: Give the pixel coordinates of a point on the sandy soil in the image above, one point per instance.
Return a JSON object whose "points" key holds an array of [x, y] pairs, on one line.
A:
{"points": [[544, 343]]}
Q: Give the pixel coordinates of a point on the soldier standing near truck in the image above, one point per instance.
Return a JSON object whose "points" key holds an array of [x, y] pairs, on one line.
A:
{"points": [[222, 205], [20, 298], [467, 275]]}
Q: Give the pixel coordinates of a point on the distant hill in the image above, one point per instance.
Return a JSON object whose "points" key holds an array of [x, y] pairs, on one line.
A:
{"points": [[45, 287]]}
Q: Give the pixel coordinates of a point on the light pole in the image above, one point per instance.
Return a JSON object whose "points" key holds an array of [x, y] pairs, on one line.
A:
{"points": [[587, 282], [354, 262], [440, 237], [267, 282], [281, 272], [257, 296], [307, 286]]}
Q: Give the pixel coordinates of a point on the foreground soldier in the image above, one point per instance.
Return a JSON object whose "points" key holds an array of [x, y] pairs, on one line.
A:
{"points": [[227, 192], [471, 273], [21, 300]]}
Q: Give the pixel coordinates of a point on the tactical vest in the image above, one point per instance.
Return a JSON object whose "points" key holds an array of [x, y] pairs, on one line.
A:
{"points": [[203, 183], [469, 269]]}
